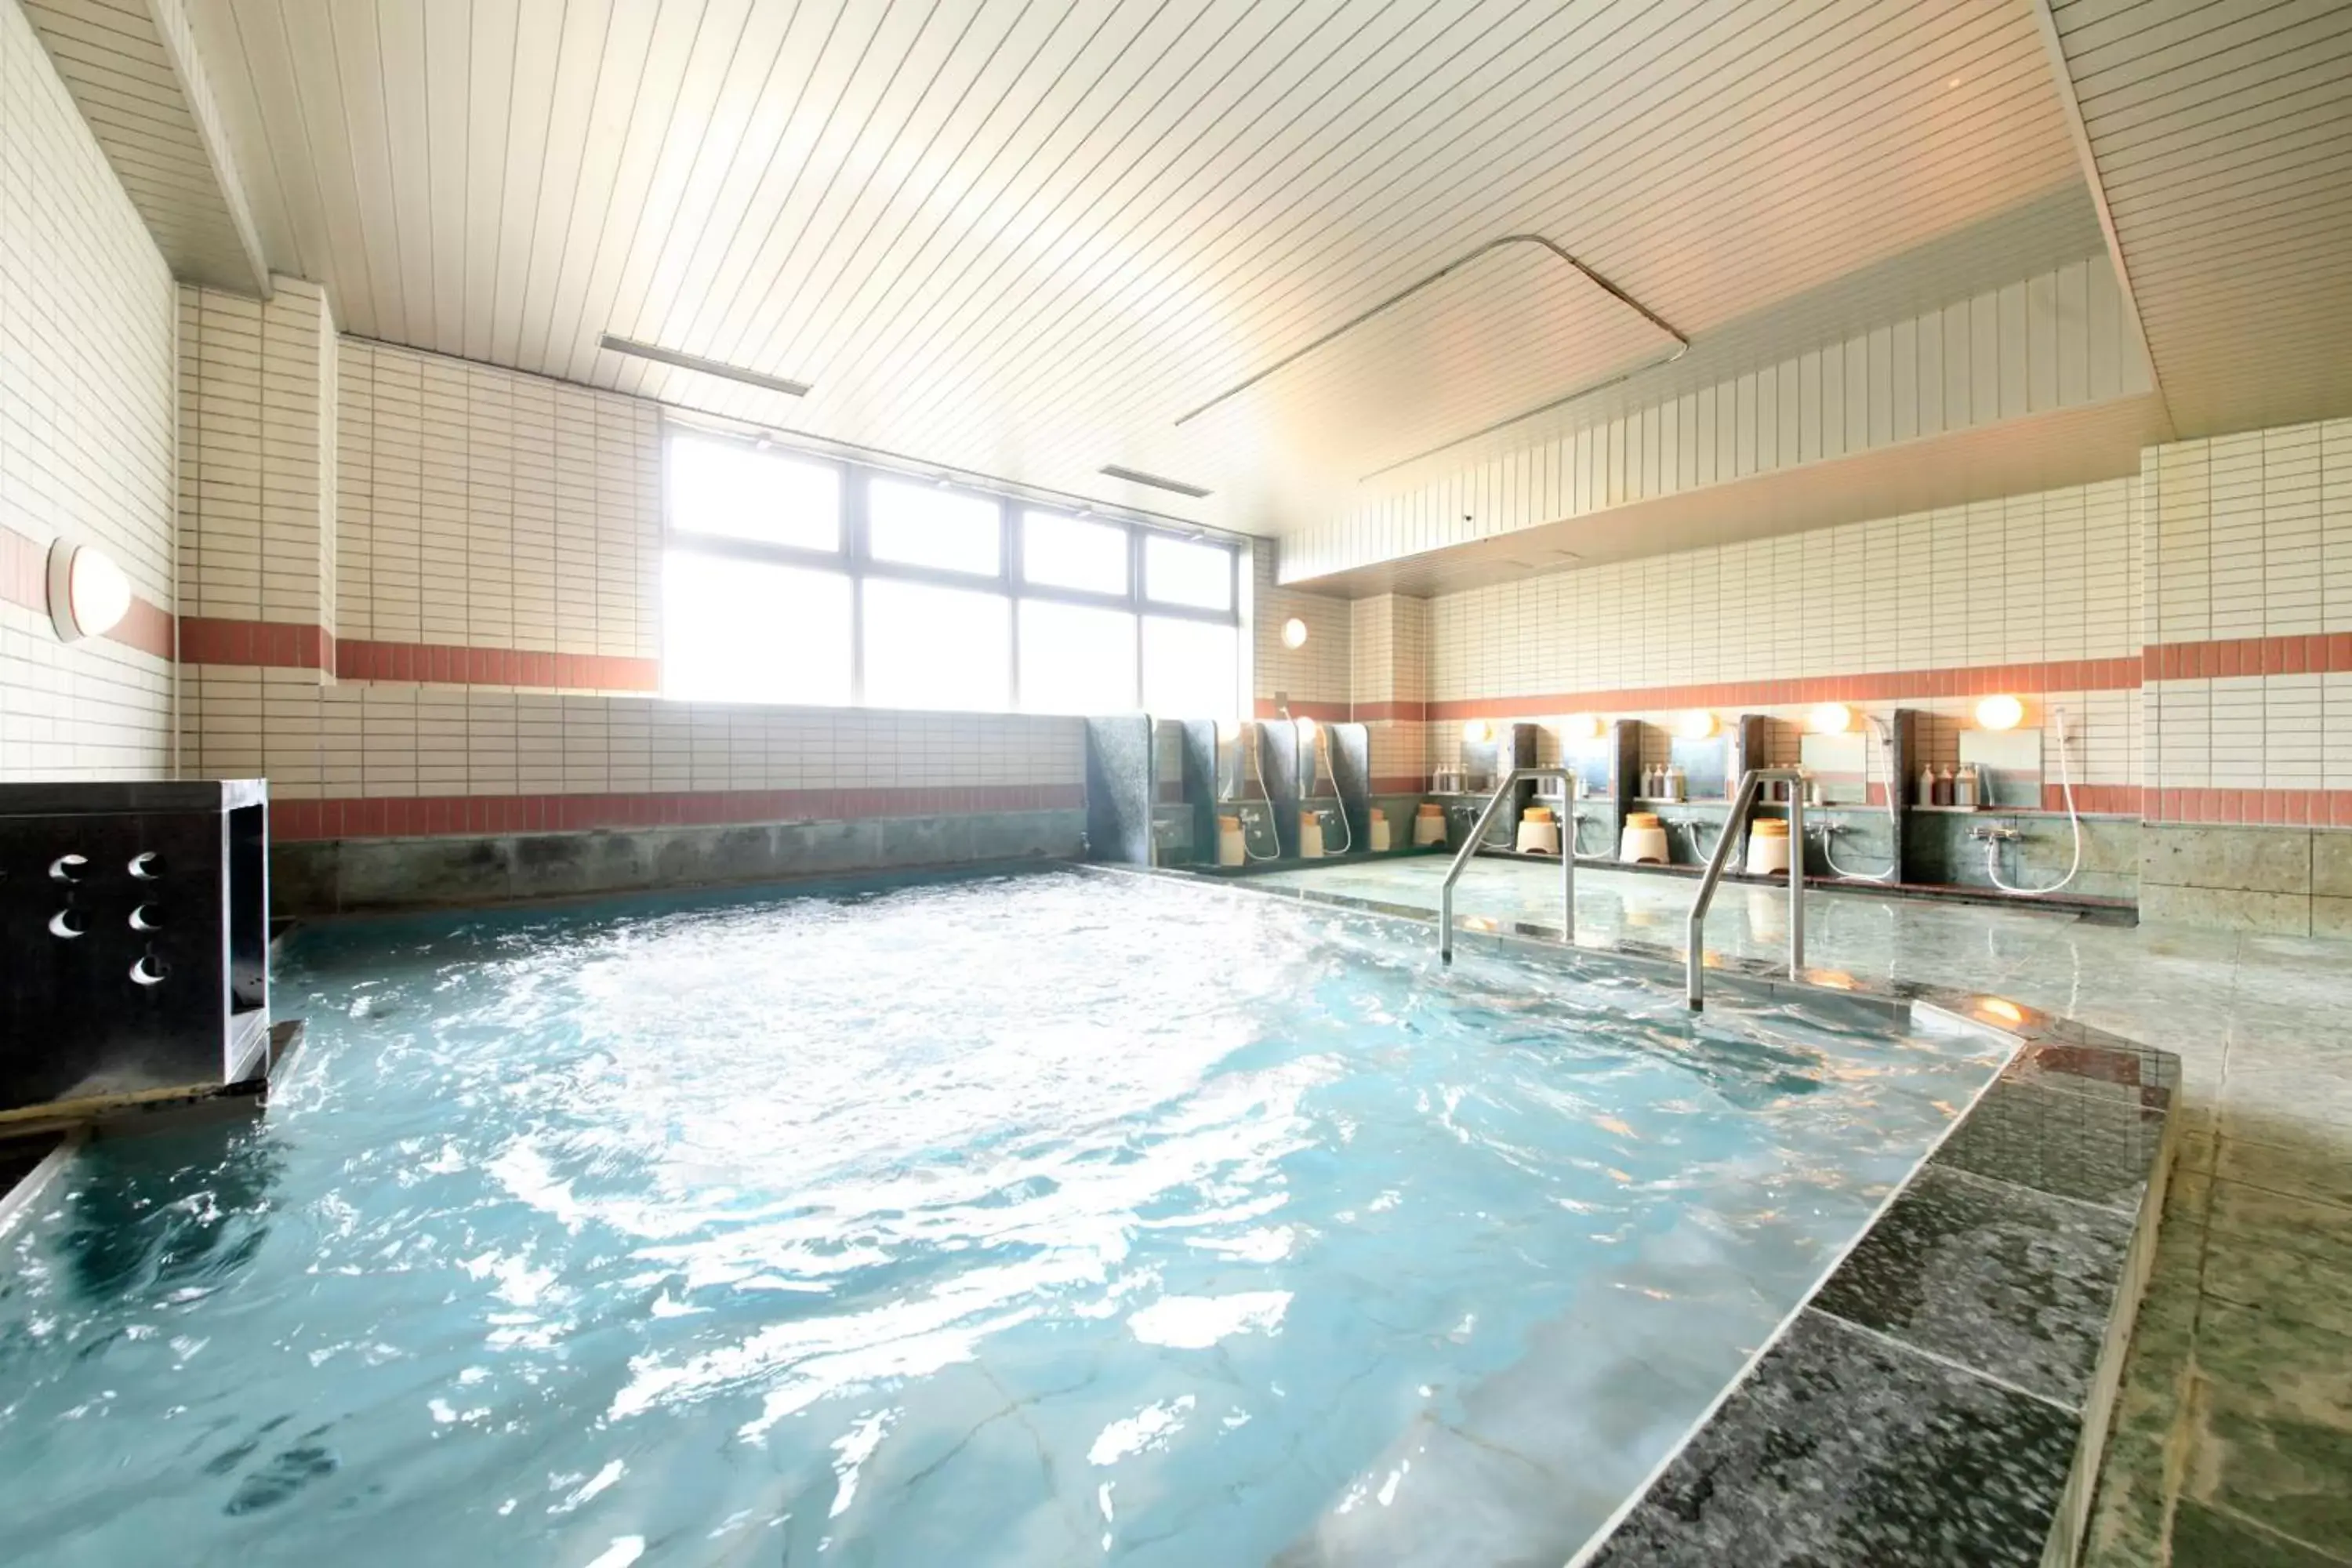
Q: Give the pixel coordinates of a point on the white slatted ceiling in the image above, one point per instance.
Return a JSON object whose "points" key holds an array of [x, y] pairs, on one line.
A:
{"points": [[2222, 134], [1022, 238], [122, 75]]}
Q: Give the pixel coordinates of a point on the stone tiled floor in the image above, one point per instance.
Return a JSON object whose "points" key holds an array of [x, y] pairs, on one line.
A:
{"points": [[2233, 1442]]}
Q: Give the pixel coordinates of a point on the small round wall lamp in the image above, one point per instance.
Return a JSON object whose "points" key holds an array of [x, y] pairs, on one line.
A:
{"points": [[1695, 725], [1477, 729], [1294, 633], [2002, 713], [1830, 718], [88, 594]]}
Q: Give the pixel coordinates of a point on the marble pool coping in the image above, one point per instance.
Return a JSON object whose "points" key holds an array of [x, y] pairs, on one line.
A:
{"points": [[1943, 1394]]}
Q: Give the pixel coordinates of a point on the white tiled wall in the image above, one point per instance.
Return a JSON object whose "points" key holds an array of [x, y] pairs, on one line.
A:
{"points": [[256, 387], [2250, 537], [85, 425], [483, 508], [2053, 576], [2050, 576], [1319, 671], [371, 741]]}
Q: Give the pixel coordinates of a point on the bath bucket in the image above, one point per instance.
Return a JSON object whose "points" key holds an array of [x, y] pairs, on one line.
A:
{"points": [[1379, 832], [1310, 835], [1231, 845], [1428, 825]]}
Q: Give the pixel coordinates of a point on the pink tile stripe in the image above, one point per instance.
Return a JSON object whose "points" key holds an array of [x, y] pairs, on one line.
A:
{"points": [[420, 816], [441, 664], [269, 644], [206, 639], [25, 579], [1964, 681], [2317, 653], [2255, 807]]}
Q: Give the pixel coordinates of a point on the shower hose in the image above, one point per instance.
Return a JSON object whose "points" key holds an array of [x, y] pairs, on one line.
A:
{"points": [[2074, 820]]}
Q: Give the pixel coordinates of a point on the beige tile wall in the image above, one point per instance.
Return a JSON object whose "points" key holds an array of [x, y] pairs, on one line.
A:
{"points": [[257, 497], [2250, 542], [487, 508], [480, 508], [1319, 672], [2048, 577], [369, 741], [85, 425]]}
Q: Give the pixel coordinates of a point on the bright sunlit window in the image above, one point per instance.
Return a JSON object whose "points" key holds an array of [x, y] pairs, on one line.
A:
{"points": [[927, 647], [1060, 551], [1076, 659], [796, 579], [1191, 668], [1179, 572], [734, 490], [754, 631], [923, 525]]}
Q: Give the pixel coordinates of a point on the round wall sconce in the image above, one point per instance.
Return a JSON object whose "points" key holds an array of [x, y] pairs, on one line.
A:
{"points": [[1830, 719], [1580, 726], [1695, 725], [88, 594], [1478, 729], [1294, 633], [2000, 714], [1306, 729], [1228, 731]]}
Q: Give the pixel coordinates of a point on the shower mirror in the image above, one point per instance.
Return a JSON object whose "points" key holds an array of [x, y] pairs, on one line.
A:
{"points": [[1592, 761], [1706, 765], [2008, 765], [1840, 764]]}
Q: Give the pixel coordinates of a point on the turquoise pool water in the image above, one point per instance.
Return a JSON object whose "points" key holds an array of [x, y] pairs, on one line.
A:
{"points": [[1045, 1219]]}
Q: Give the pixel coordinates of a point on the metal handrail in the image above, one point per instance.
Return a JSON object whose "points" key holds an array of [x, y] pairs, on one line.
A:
{"points": [[1478, 835], [1695, 983]]}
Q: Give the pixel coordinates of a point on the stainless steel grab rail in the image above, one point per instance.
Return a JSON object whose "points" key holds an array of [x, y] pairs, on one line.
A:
{"points": [[1477, 835], [1696, 974]]}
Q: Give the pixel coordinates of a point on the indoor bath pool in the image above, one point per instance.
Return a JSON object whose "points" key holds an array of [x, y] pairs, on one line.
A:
{"points": [[1055, 1218]]}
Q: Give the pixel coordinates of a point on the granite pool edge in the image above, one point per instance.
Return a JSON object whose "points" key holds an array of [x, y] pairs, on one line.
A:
{"points": [[1739, 1486]]}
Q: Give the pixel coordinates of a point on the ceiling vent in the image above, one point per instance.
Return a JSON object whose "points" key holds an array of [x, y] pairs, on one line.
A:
{"points": [[707, 366], [1136, 477]]}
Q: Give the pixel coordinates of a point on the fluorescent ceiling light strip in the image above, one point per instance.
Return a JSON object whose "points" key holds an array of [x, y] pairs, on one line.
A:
{"points": [[707, 366], [1137, 477]]}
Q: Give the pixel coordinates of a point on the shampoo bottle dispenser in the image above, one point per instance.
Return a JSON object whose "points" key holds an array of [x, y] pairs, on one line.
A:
{"points": [[1964, 785], [1944, 786], [1927, 785]]}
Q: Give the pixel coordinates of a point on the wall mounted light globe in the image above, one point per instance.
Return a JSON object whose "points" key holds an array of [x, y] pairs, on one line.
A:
{"points": [[88, 594], [2002, 713]]}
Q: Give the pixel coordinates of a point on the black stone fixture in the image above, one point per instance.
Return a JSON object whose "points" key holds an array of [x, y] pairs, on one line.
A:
{"points": [[134, 918]]}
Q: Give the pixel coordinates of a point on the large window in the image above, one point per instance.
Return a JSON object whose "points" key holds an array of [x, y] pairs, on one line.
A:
{"points": [[794, 579]]}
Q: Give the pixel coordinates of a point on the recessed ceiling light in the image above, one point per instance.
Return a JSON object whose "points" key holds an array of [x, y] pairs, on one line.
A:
{"points": [[1954, 82], [1137, 477]]}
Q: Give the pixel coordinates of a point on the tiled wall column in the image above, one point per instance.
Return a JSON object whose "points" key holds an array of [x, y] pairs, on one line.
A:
{"points": [[2248, 681], [1388, 692], [258, 502]]}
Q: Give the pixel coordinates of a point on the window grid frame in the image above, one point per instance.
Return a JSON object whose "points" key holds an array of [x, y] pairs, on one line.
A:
{"points": [[856, 561]]}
